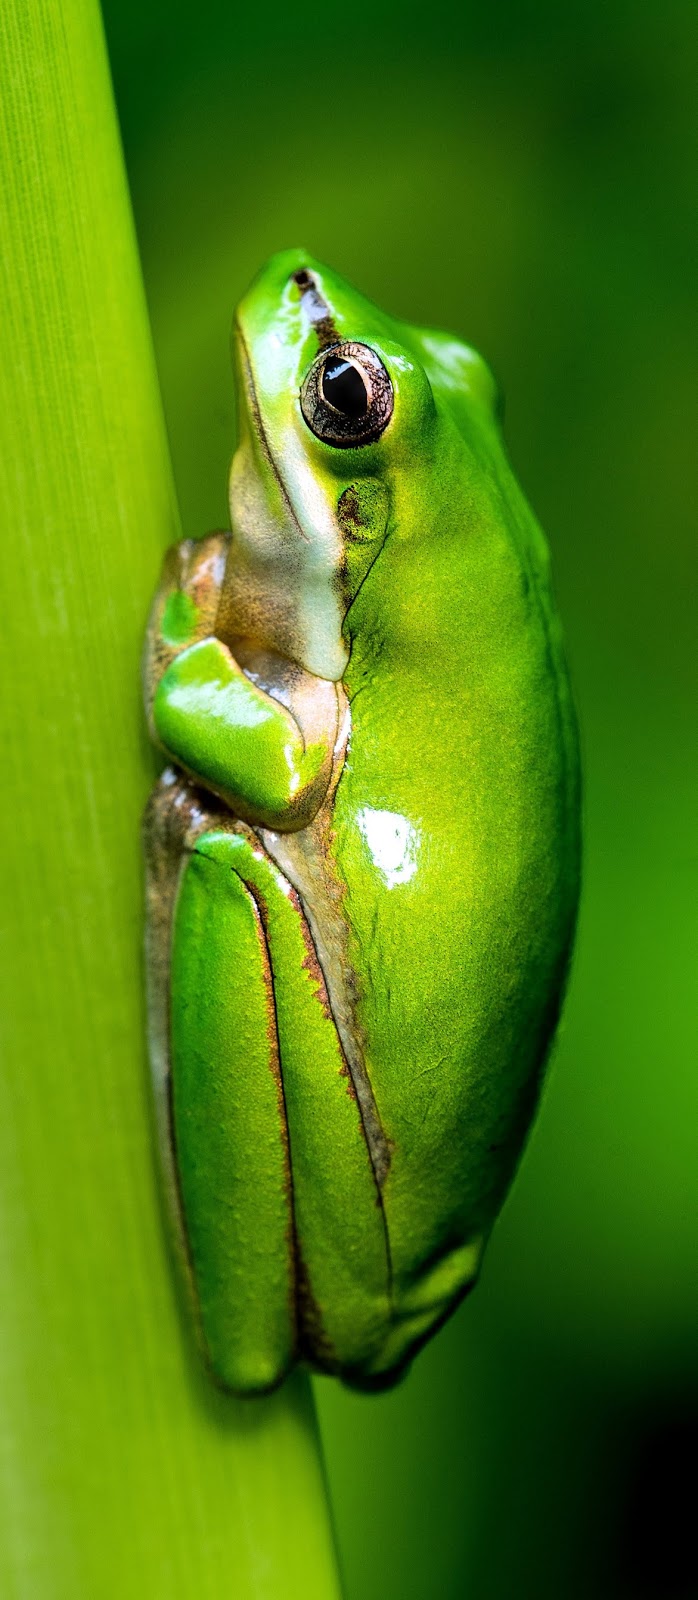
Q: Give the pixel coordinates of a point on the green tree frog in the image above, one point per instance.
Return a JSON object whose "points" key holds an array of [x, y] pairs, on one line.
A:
{"points": [[363, 856]]}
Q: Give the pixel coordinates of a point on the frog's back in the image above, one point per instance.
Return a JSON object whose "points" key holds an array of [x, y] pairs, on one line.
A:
{"points": [[456, 845]]}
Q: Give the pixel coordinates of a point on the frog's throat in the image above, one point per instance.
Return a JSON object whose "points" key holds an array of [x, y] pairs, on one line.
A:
{"points": [[283, 586], [255, 415]]}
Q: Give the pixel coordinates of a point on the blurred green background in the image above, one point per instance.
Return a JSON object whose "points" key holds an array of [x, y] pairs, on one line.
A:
{"points": [[526, 175]]}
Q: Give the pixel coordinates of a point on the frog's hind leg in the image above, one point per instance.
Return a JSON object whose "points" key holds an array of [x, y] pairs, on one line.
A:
{"points": [[342, 1273], [228, 1121], [264, 1156]]}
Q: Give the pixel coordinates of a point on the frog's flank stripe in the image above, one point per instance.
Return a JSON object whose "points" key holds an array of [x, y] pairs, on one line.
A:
{"points": [[292, 1231], [303, 858], [315, 966]]}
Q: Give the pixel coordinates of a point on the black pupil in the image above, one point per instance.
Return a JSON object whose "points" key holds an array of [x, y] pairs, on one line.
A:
{"points": [[344, 388]]}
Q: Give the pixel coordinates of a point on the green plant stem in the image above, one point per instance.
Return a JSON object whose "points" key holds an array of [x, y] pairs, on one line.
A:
{"points": [[122, 1471]]}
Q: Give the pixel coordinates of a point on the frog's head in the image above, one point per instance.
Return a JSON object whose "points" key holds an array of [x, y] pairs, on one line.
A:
{"points": [[336, 408]]}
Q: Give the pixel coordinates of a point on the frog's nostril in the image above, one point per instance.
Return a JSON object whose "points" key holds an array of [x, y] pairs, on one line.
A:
{"points": [[302, 278]]}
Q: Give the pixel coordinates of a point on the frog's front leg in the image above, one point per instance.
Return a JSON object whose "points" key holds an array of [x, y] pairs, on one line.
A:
{"points": [[186, 604], [251, 726]]}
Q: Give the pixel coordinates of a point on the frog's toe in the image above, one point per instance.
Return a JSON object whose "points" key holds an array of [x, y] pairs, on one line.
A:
{"points": [[419, 1311]]}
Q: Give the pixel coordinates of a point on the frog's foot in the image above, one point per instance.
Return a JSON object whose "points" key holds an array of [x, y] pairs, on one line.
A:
{"points": [[418, 1312], [284, 1228]]}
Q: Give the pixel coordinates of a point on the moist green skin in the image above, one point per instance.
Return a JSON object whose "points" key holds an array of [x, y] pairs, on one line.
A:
{"points": [[455, 666], [431, 864], [255, 1073]]}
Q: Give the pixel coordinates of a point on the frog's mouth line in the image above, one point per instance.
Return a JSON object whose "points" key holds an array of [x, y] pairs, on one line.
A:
{"points": [[254, 409]]}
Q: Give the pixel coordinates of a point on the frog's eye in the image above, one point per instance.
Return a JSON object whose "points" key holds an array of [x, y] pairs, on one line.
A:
{"points": [[347, 396]]}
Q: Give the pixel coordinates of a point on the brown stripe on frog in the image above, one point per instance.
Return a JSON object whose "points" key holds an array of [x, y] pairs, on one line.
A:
{"points": [[316, 309], [307, 1318], [313, 1341], [259, 912], [291, 1236], [306, 861], [311, 965], [310, 961]]}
